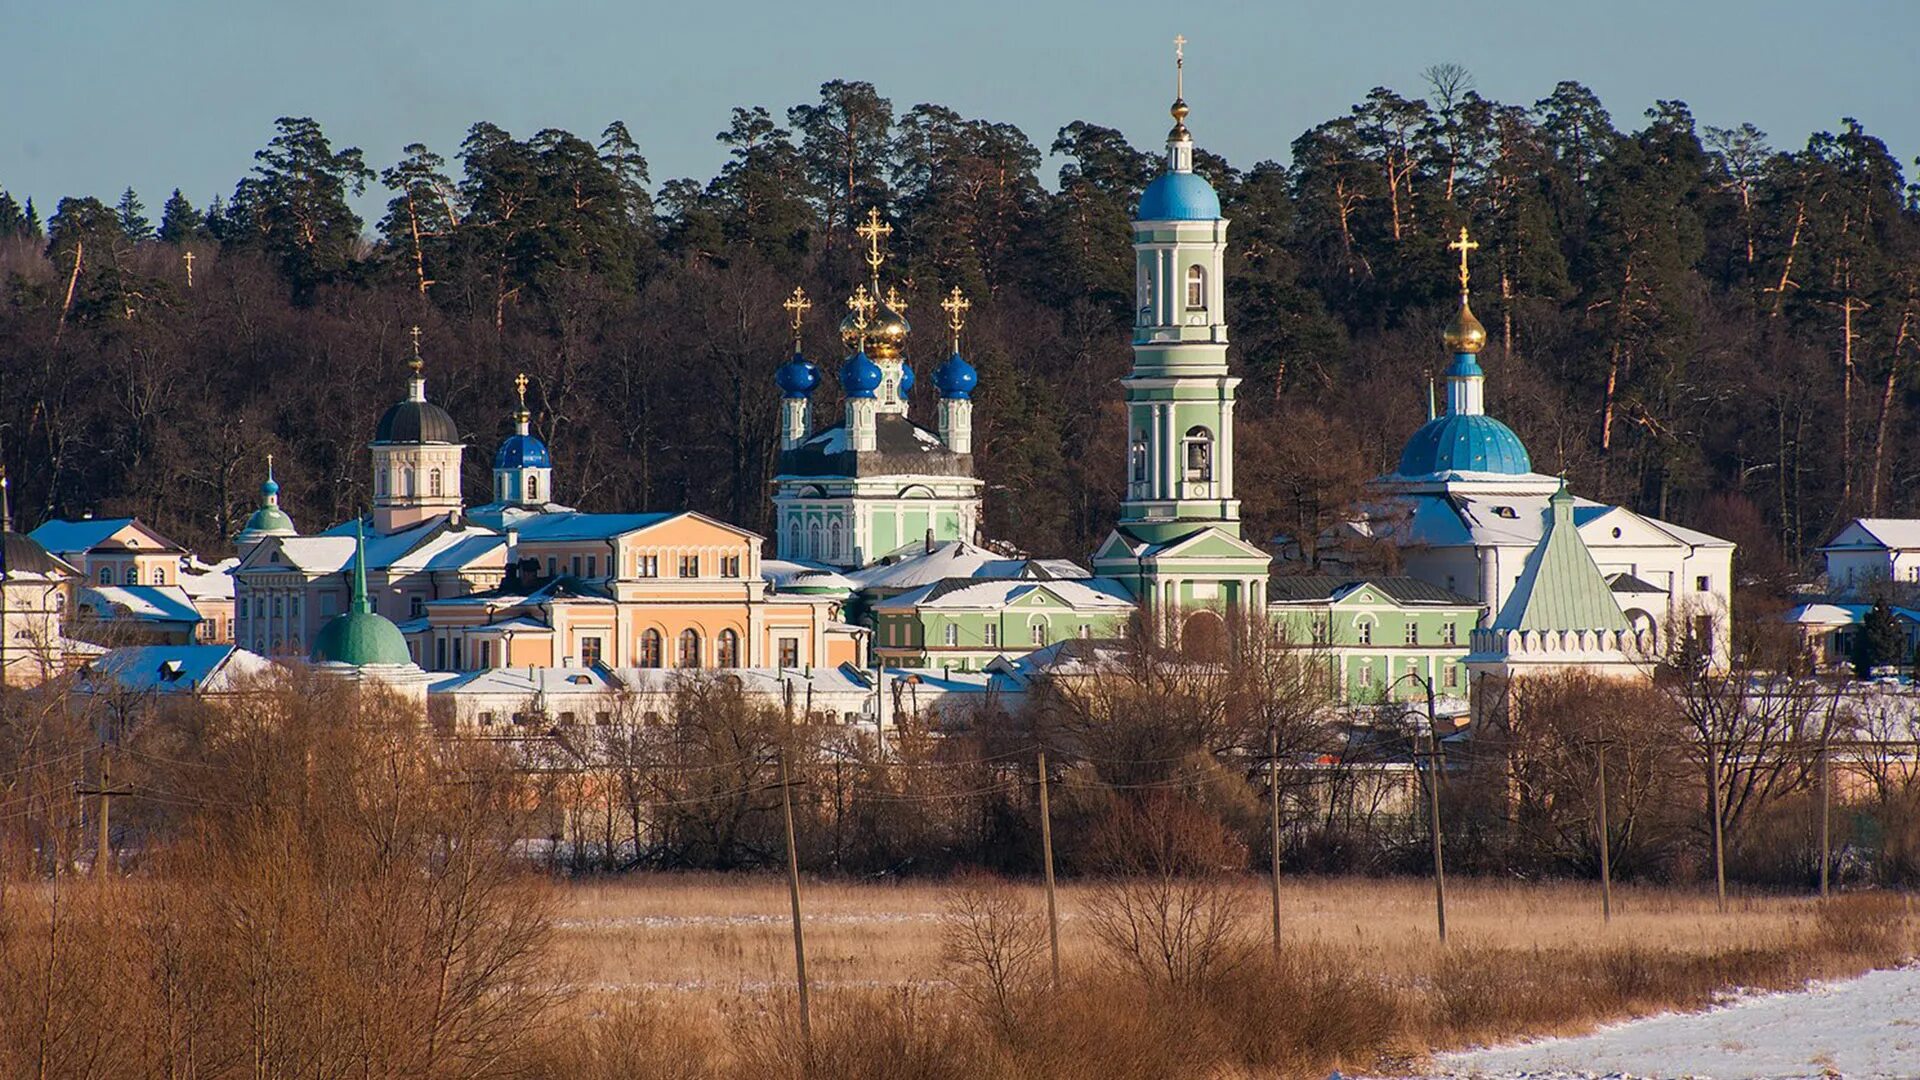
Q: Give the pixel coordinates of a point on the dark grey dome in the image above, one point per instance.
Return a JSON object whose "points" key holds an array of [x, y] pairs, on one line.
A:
{"points": [[416, 422], [22, 554]]}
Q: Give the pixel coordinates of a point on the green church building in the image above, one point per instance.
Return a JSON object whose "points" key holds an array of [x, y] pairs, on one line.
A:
{"points": [[1382, 638]]}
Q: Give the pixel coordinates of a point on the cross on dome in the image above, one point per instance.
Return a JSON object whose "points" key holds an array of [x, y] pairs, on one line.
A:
{"points": [[862, 304], [1463, 246], [874, 231], [416, 363], [956, 305]]}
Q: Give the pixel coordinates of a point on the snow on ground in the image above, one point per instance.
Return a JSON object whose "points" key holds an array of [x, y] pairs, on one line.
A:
{"points": [[1863, 1027]]}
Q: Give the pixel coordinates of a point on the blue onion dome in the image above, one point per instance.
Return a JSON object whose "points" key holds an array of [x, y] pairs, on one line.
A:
{"points": [[1464, 443], [860, 377], [522, 451], [956, 378], [1179, 196], [798, 377], [271, 486], [906, 379]]}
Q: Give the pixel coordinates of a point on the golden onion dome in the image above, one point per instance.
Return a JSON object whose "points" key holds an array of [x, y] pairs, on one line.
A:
{"points": [[1465, 334], [886, 333], [1179, 111]]}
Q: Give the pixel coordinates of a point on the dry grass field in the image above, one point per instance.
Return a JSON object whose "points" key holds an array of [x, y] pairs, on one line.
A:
{"points": [[1364, 982]]}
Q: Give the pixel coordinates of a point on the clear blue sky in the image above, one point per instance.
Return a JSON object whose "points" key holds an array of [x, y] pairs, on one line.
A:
{"points": [[166, 93]]}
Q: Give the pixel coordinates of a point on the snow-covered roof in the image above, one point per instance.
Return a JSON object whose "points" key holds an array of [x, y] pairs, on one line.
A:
{"points": [[173, 669], [1103, 594], [1893, 533], [1458, 519], [142, 603], [914, 566], [208, 581], [429, 546], [1823, 614]]}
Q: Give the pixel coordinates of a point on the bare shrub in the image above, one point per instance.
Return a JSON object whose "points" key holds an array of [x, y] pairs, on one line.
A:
{"points": [[1170, 908], [992, 942]]}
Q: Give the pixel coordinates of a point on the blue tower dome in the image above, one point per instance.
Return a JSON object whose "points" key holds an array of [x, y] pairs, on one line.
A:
{"points": [[1179, 196], [906, 379], [956, 378], [1464, 443], [522, 451], [798, 377], [271, 487], [860, 377]]}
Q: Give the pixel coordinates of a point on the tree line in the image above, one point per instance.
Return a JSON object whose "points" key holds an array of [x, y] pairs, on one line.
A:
{"points": [[1689, 320]]}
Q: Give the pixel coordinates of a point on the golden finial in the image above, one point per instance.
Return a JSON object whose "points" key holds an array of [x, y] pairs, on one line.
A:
{"points": [[895, 301], [416, 363], [1465, 335], [862, 304], [797, 306], [956, 306], [874, 231], [520, 388]]}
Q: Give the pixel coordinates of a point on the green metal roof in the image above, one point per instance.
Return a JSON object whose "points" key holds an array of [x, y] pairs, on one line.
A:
{"points": [[358, 636], [1561, 587]]}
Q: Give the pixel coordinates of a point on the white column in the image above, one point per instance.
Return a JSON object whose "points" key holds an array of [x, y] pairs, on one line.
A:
{"points": [[1223, 469]]}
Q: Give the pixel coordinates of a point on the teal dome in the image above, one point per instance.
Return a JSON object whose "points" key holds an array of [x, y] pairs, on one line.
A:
{"points": [[360, 638], [269, 521], [1179, 196], [1464, 443]]}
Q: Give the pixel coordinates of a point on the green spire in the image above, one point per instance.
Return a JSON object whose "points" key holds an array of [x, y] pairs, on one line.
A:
{"points": [[1561, 587], [360, 604], [357, 636]]}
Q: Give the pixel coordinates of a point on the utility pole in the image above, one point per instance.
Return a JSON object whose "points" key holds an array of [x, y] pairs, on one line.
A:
{"points": [[1826, 810], [1434, 766], [105, 792], [793, 884], [1273, 807], [1719, 833], [1606, 843], [1046, 857]]}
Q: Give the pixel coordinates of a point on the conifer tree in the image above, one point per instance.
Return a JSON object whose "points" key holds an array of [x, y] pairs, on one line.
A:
{"points": [[180, 222], [133, 217]]}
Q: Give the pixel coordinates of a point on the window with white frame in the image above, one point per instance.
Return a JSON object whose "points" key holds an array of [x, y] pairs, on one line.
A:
{"points": [[991, 636], [952, 634], [646, 566], [1363, 632], [1449, 634], [1199, 455], [1413, 632], [1196, 288], [730, 566], [1038, 633], [789, 652], [689, 566]]}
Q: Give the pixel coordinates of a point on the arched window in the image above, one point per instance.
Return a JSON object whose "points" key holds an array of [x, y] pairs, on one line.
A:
{"points": [[106, 575], [1140, 461], [1199, 455], [133, 574], [833, 541], [953, 634], [406, 481], [379, 481], [727, 651], [815, 545], [500, 488], [689, 649], [433, 483], [1038, 634], [533, 487], [159, 575], [1196, 288], [793, 540], [650, 649]]}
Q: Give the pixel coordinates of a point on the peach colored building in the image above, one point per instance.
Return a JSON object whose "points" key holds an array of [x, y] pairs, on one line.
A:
{"points": [[661, 590]]}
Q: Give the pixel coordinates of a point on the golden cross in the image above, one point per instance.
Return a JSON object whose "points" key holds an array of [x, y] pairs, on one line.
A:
{"points": [[861, 303], [415, 362], [874, 231], [956, 305], [1463, 246], [520, 387], [188, 259], [797, 306], [269, 466], [1179, 64], [895, 301]]}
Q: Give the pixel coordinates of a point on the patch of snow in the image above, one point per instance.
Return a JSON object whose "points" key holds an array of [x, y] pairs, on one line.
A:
{"points": [[1863, 1027]]}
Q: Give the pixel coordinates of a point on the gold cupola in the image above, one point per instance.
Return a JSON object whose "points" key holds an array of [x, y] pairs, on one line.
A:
{"points": [[886, 330], [1464, 334]]}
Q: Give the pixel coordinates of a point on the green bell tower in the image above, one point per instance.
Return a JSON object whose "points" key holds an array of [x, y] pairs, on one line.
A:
{"points": [[1178, 545]]}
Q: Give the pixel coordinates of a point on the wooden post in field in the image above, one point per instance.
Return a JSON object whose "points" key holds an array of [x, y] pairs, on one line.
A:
{"points": [[1433, 812], [1046, 858], [105, 792], [1826, 811], [1719, 833], [1606, 845], [1273, 805], [793, 883]]}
